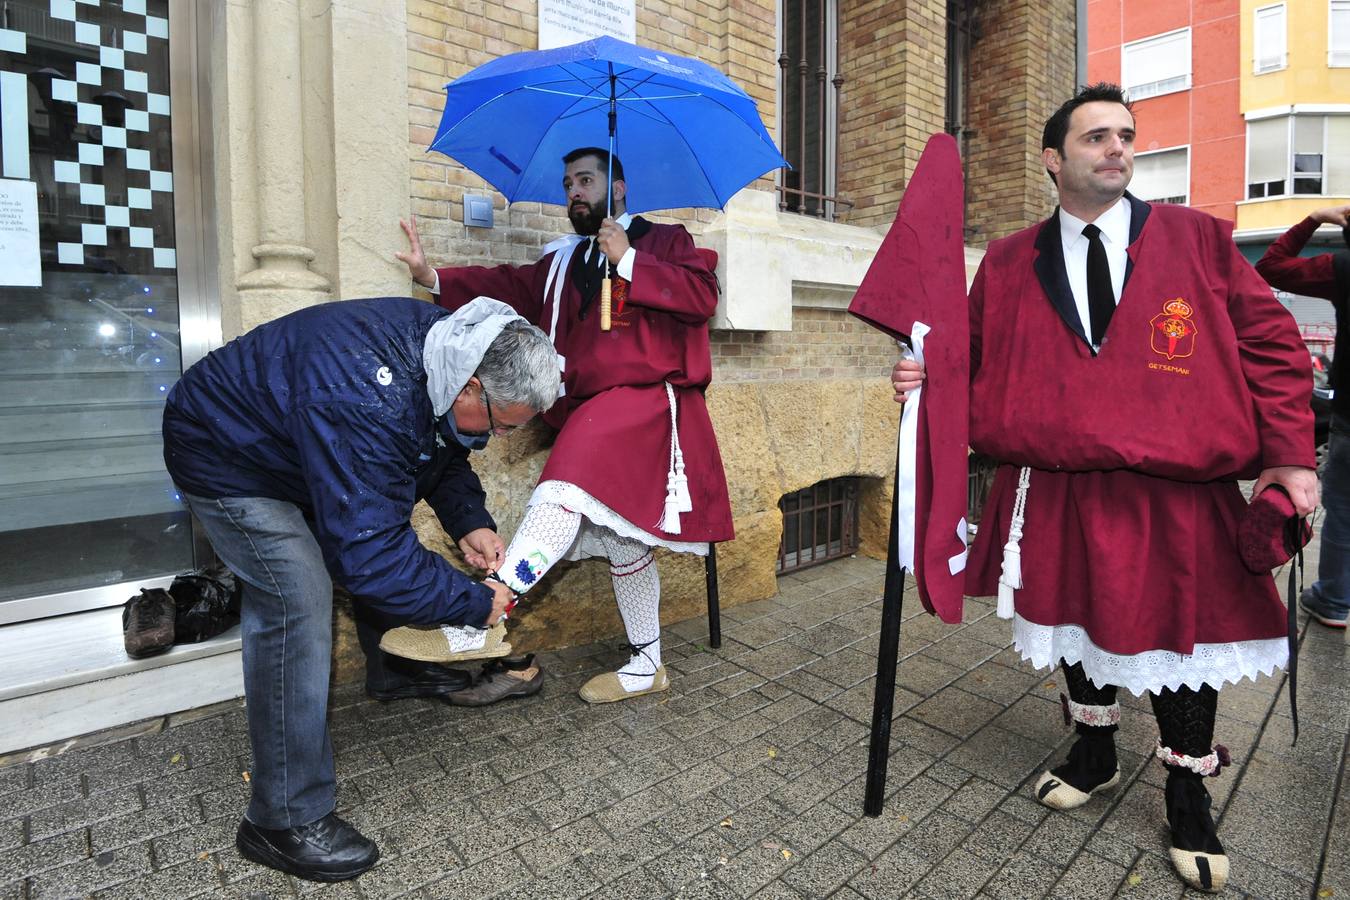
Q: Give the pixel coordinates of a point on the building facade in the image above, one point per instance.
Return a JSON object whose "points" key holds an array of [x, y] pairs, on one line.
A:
{"points": [[1241, 106], [199, 169], [1179, 64], [1295, 99]]}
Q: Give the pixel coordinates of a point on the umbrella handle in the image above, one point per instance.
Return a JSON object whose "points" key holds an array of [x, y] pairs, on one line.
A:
{"points": [[604, 304]]}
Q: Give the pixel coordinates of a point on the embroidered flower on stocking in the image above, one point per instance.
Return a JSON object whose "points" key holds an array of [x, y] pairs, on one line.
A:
{"points": [[531, 567]]}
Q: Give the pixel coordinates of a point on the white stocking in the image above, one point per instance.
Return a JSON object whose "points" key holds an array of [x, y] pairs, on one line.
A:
{"points": [[543, 538], [637, 589]]}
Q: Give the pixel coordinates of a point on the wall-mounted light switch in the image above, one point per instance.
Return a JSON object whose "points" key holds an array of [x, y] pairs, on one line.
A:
{"points": [[477, 211]]}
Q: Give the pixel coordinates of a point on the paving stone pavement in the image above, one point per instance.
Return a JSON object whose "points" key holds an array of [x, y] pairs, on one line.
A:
{"points": [[745, 780]]}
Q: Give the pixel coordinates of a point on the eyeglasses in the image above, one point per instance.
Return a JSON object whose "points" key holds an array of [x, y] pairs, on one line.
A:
{"points": [[493, 427]]}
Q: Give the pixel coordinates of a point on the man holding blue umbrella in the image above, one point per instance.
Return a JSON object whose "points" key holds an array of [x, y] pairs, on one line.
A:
{"points": [[635, 465]]}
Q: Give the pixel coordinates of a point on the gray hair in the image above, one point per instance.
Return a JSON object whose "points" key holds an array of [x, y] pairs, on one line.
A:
{"points": [[520, 367]]}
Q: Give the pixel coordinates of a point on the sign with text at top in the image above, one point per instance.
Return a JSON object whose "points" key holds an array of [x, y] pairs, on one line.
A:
{"points": [[20, 257], [564, 22]]}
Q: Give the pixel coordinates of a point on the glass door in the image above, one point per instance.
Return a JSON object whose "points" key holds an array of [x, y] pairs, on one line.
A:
{"points": [[91, 301]]}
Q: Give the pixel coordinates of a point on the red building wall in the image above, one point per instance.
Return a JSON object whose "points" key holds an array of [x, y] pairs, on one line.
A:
{"points": [[1207, 116]]}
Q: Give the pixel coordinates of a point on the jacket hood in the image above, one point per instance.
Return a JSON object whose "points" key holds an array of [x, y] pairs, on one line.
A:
{"points": [[455, 346]]}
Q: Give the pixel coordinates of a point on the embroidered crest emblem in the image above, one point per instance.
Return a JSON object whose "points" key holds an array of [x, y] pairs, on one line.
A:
{"points": [[619, 300], [1172, 332]]}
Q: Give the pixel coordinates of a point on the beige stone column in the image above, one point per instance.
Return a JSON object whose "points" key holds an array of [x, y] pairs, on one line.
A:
{"points": [[371, 166], [282, 280]]}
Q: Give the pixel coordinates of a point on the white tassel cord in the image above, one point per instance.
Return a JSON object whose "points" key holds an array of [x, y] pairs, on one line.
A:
{"points": [[1011, 579], [677, 485]]}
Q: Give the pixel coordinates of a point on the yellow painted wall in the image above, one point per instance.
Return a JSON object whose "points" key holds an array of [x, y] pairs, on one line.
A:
{"points": [[1279, 213], [1307, 78]]}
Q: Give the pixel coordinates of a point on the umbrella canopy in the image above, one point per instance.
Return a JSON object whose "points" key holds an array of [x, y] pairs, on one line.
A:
{"points": [[686, 133]]}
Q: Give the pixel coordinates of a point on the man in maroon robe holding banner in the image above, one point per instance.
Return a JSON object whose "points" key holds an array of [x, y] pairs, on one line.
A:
{"points": [[635, 464], [1127, 368]]}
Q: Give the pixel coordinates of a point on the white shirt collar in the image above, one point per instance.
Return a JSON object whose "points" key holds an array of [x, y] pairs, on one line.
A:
{"points": [[624, 220], [1114, 223]]}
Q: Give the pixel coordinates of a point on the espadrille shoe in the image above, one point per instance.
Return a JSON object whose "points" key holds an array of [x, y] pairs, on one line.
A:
{"points": [[1056, 793], [607, 688], [446, 643], [1196, 853], [1091, 767], [1203, 871]]}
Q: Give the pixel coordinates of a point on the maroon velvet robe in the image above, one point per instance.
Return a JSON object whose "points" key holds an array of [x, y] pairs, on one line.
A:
{"points": [[614, 419], [1133, 506]]}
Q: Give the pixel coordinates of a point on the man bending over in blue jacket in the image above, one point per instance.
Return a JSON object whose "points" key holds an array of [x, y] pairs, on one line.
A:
{"points": [[301, 448]]}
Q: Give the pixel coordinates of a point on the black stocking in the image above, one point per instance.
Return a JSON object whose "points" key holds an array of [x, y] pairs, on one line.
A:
{"points": [[1186, 719], [1082, 690], [1186, 737], [1092, 758]]}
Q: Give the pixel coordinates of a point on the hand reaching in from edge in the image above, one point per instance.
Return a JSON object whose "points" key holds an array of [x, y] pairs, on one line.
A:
{"points": [[415, 259]]}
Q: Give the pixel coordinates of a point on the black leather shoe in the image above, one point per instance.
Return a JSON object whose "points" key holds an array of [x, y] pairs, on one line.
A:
{"points": [[420, 680], [147, 623], [499, 680], [326, 850]]}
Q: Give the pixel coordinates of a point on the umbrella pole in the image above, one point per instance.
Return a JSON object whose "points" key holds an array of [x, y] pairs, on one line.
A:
{"points": [[883, 698], [609, 202]]}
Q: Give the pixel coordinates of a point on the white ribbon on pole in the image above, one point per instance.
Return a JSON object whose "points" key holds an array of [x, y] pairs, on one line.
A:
{"points": [[907, 452]]}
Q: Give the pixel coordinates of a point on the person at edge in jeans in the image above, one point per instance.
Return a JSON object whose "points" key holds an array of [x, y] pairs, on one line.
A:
{"points": [[1326, 276], [301, 448], [1109, 535]]}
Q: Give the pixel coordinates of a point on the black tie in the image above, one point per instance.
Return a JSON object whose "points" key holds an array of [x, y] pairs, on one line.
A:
{"points": [[1101, 297]]}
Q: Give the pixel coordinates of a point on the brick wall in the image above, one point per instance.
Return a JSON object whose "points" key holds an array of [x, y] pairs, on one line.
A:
{"points": [[1024, 68], [823, 343], [893, 58]]}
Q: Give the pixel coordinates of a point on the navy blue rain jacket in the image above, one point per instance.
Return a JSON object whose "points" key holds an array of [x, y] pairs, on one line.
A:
{"points": [[327, 408]]}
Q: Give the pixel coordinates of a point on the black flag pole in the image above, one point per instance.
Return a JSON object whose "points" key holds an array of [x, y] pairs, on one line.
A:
{"points": [[883, 702]]}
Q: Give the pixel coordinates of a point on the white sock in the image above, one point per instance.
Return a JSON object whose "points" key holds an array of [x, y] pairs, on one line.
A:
{"points": [[637, 590]]}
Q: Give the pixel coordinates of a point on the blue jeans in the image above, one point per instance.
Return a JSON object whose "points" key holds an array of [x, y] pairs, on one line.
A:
{"points": [[286, 619], [1332, 589]]}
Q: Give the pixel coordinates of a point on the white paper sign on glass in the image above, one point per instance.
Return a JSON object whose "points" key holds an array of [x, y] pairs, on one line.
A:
{"points": [[20, 258]]}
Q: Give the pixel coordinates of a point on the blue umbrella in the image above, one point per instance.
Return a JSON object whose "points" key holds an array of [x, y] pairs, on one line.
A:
{"points": [[686, 133]]}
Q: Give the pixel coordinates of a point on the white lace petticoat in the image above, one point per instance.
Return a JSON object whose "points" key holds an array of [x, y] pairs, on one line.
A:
{"points": [[1214, 664], [596, 515]]}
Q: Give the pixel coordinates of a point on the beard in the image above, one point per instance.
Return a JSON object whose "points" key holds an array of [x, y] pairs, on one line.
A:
{"points": [[586, 217]]}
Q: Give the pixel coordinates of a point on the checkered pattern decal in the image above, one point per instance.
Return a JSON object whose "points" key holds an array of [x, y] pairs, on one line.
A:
{"points": [[109, 117]]}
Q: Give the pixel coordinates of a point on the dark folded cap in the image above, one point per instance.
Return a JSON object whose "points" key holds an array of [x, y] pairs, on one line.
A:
{"points": [[1271, 531]]}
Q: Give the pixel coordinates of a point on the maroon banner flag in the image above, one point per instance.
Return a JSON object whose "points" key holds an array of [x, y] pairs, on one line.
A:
{"points": [[915, 291]]}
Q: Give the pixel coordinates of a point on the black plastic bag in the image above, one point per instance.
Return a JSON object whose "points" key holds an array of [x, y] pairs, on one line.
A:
{"points": [[207, 602]]}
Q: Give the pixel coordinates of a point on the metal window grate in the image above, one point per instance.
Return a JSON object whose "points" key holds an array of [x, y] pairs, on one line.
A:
{"points": [[982, 470], [808, 90], [820, 523]]}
